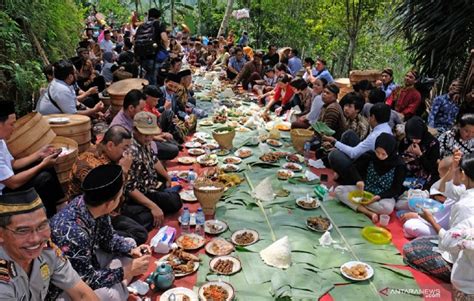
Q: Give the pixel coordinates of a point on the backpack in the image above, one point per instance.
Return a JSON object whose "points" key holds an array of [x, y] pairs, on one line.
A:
{"points": [[144, 40]]}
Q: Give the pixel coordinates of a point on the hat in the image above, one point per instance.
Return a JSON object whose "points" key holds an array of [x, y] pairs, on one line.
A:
{"points": [[20, 202], [183, 73], [153, 91], [333, 88], [7, 108], [173, 77], [388, 71], [102, 183], [414, 73], [145, 123], [80, 50]]}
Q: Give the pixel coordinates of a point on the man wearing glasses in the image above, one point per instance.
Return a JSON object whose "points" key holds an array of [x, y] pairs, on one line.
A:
{"points": [[28, 259]]}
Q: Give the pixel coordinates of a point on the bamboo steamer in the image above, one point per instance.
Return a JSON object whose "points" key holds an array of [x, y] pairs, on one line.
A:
{"points": [[65, 161], [208, 198], [344, 85], [299, 137], [31, 133], [370, 75], [78, 128], [118, 90]]}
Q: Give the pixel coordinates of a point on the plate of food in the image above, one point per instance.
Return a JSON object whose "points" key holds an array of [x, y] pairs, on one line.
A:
{"points": [[242, 129], [187, 195], [180, 294], [295, 158], [232, 160], [285, 174], [198, 139], [270, 158], [295, 167], [357, 270], [214, 226], [186, 160], [58, 120], [207, 160], [183, 263], [230, 168], [360, 197], [216, 291], [283, 126], [222, 152], [206, 122], [211, 146], [243, 153], [418, 204], [274, 142], [225, 265], [318, 223], [244, 237], [190, 241], [202, 135], [192, 144], [196, 151], [307, 202], [219, 247]]}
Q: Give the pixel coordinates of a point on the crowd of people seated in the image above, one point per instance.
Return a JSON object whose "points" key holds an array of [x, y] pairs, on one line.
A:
{"points": [[384, 142]]}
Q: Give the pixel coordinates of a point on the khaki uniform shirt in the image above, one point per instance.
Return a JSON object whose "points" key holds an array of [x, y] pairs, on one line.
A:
{"points": [[50, 266]]}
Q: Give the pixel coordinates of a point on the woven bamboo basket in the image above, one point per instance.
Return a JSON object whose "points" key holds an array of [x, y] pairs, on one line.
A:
{"points": [[344, 85], [65, 162], [299, 137], [225, 140], [208, 198], [118, 90], [31, 133], [370, 75], [78, 128]]}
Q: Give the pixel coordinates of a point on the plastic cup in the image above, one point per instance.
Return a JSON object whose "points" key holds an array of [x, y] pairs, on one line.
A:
{"points": [[384, 220]]}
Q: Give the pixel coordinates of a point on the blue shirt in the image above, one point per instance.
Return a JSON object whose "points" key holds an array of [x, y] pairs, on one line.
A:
{"points": [[368, 144], [295, 65], [79, 235], [389, 89], [315, 110], [326, 75], [443, 113], [63, 95], [237, 65]]}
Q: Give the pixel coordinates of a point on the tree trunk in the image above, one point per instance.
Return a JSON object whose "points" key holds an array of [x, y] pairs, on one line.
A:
{"points": [[172, 12], [351, 52], [225, 20]]}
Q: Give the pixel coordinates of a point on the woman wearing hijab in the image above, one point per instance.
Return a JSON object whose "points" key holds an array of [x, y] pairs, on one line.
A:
{"points": [[420, 152], [381, 173]]}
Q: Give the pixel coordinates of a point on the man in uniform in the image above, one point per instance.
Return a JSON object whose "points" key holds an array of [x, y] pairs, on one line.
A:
{"points": [[29, 261]]}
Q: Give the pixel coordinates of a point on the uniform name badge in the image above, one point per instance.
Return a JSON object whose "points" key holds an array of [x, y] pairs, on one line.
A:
{"points": [[44, 270]]}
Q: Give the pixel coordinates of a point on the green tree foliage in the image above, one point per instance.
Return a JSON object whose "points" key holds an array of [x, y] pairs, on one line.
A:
{"points": [[31, 33]]}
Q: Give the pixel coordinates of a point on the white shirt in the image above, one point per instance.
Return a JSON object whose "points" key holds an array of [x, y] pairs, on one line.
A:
{"points": [[368, 144], [6, 170], [460, 240], [107, 46], [64, 96], [316, 106]]}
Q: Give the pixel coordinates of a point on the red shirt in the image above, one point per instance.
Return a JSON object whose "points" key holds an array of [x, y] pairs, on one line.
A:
{"points": [[152, 110], [405, 101], [286, 98]]}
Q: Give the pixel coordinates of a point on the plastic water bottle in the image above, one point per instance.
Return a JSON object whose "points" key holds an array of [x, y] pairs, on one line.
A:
{"points": [[200, 220], [307, 151], [192, 176], [185, 218]]}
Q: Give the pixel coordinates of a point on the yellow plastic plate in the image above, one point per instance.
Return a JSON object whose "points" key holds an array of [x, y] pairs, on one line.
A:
{"points": [[376, 235], [360, 197]]}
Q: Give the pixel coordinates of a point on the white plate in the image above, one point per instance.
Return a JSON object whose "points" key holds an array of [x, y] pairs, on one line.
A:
{"points": [[191, 144], [238, 232], [242, 129], [300, 158], [58, 120], [303, 199], [214, 222], [232, 160], [211, 146], [238, 152], [317, 230], [202, 135], [230, 168], [201, 160], [289, 172], [274, 143], [206, 122], [222, 152], [164, 258], [227, 286], [186, 160], [179, 292], [188, 195], [296, 167], [200, 241], [196, 151], [235, 268], [192, 219], [370, 270], [222, 242]]}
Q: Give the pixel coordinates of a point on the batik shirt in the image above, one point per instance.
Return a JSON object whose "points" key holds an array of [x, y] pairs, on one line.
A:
{"points": [[443, 113], [359, 125], [142, 174], [79, 235], [450, 140]]}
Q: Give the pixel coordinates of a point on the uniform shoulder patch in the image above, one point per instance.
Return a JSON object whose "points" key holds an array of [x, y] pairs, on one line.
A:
{"points": [[7, 270], [52, 246]]}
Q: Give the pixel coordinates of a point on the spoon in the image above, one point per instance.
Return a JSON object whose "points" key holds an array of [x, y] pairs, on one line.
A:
{"points": [[172, 297]]}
